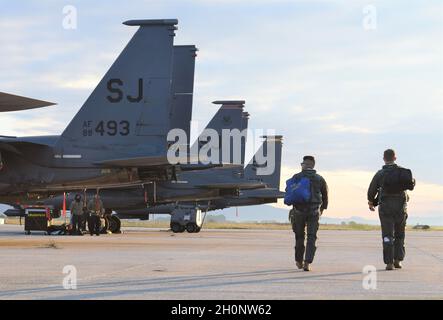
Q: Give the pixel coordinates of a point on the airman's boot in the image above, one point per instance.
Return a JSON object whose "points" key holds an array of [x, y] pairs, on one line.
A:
{"points": [[299, 264], [390, 266], [397, 264], [306, 267]]}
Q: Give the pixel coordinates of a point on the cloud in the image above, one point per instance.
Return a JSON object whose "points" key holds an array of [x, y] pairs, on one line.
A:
{"points": [[84, 82], [43, 124], [349, 129]]}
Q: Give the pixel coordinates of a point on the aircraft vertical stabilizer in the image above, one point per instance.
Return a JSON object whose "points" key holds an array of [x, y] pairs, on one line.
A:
{"points": [[183, 87], [272, 180], [230, 116], [245, 123], [128, 114]]}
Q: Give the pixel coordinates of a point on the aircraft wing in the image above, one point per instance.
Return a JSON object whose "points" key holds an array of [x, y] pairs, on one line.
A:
{"points": [[11, 102]]}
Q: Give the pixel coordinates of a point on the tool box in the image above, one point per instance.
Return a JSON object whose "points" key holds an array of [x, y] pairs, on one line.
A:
{"points": [[37, 219]]}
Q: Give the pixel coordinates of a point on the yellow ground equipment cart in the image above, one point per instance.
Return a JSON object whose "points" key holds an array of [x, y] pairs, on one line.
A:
{"points": [[37, 218]]}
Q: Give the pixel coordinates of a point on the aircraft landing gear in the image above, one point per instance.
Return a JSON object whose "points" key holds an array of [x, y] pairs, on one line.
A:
{"points": [[191, 227], [186, 218], [177, 227]]}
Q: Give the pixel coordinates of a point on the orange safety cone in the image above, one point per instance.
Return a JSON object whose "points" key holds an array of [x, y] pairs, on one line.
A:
{"points": [[64, 205]]}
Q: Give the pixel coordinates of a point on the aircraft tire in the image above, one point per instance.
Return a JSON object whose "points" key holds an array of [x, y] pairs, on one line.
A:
{"points": [[177, 228], [191, 227]]}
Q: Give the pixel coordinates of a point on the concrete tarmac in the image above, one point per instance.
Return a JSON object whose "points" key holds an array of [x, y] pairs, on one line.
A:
{"points": [[214, 264]]}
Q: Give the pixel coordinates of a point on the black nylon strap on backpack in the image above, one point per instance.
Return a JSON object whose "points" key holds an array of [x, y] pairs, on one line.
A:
{"points": [[315, 189], [398, 179]]}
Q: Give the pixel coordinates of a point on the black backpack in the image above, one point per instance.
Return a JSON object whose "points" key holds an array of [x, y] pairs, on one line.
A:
{"points": [[398, 179]]}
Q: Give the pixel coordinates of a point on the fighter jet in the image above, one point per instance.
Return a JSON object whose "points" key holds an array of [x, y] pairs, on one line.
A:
{"points": [[269, 194], [118, 137]]}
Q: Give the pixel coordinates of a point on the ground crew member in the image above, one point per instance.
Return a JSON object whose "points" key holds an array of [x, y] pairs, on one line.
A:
{"points": [[306, 215], [392, 212], [76, 210], [95, 209]]}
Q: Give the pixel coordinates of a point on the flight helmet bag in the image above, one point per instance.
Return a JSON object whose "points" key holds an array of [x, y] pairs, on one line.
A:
{"points": [[298, 190]]}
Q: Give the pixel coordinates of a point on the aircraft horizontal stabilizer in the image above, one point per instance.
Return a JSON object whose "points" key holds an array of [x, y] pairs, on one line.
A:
{"points": [[12, 144], [243, 186], [266, 193], [10, 102], [9, 148], [135, 162], [149, 161]]}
